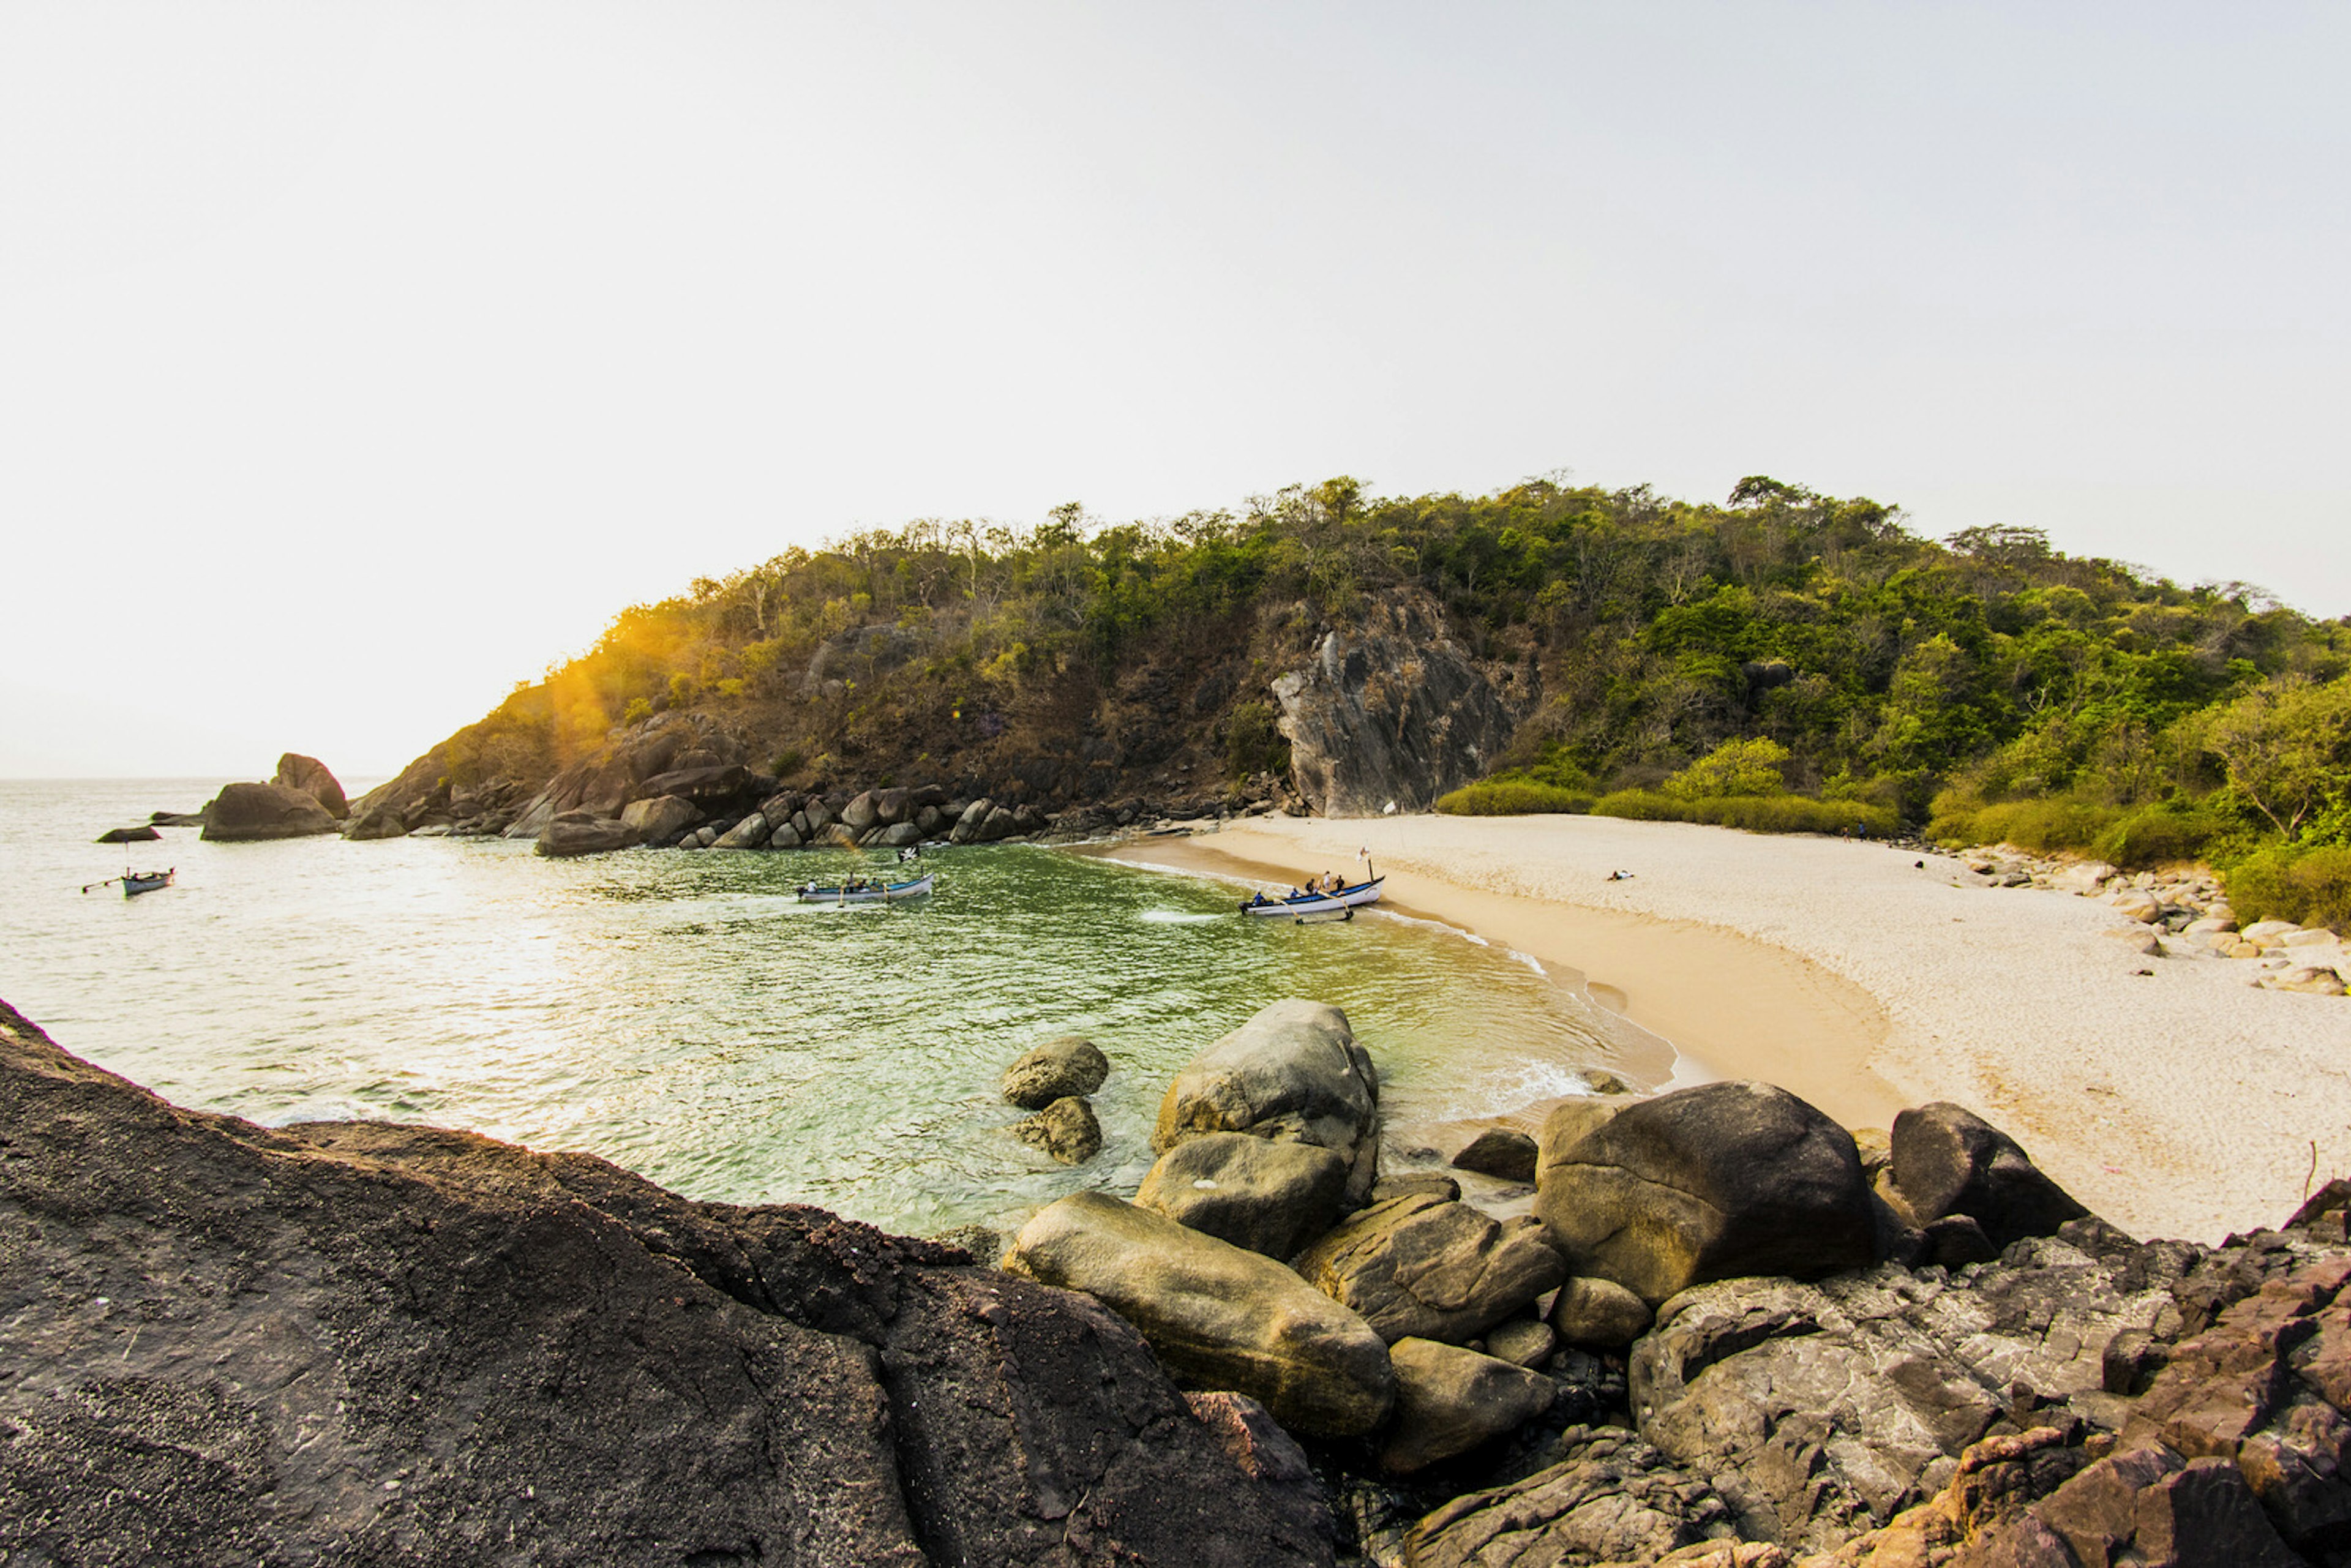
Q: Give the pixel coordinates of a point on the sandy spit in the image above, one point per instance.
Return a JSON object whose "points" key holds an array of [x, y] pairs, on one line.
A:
{"points": [[2183, 1101]]}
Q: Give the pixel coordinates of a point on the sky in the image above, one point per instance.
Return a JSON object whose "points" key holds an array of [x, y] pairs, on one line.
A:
{"points": [[359, 362]]}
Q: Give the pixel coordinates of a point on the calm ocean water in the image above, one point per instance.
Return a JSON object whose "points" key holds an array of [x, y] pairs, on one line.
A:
{"points": [[682, 1015]]}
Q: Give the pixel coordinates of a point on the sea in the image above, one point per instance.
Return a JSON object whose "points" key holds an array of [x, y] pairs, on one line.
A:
{"points": [[682, 1015]]}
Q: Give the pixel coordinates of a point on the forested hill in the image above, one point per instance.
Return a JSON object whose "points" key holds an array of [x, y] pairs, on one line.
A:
{"points": [[1625, 636]]}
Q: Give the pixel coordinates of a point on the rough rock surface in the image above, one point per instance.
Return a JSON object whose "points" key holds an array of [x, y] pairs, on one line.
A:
{"points": [[241, 813], [1394, 709], [1066, 1129], [1822, 1409], [1609, 1498], [1293, 1072], [1219, 1316], [313, 778], [1267, 1196], [1066, 1065], [1703, 1183], [1254, 1440], [1424, 1268], [1449, 1400], [369, 1344], [1947, 1160]]}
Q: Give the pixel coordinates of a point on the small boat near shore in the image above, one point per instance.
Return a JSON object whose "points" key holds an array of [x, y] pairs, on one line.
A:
{"points": [[859, 891], [1341, 900], [135, 883]]}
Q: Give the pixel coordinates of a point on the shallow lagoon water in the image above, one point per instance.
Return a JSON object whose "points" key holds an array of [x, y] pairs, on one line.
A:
{"points": [[682, 1015]]}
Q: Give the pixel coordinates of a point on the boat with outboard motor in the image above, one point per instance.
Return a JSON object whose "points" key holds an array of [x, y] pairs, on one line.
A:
{"points": [[861, 890]]}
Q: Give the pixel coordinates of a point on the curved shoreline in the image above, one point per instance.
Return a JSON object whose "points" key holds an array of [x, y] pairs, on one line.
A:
{"points": [[2166, 1094], [1795, 1023]]}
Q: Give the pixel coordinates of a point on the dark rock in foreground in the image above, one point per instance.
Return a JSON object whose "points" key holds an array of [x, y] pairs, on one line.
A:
{"points": [[369, 1344], [244, 812]]}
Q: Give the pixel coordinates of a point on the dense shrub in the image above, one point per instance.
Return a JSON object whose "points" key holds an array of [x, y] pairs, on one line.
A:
{"points": [[2136, 837], [2312, 887], [2160, 836], [2061, 822], [1755, 813], [1745, 766], [1512, 798]]}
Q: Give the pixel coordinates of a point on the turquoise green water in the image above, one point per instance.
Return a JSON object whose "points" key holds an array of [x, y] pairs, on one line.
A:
{"points": [[682, 1015]]}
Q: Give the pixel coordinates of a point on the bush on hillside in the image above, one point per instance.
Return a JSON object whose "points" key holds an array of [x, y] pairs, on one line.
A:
{"points": [[2308, 886], [1755, 813], [1512, 798], [1746, 767]]}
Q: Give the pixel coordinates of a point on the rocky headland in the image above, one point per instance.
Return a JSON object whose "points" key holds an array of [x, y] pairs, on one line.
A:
{"points": [[1301, 714], [1731, 1331]]}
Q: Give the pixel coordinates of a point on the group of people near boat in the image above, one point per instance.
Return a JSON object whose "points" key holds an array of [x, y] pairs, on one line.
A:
{"points": [[1324, 886]]}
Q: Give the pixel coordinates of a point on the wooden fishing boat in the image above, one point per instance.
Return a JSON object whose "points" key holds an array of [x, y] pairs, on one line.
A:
{"points": [[137, 881], [1345, 898], [867, 892]]}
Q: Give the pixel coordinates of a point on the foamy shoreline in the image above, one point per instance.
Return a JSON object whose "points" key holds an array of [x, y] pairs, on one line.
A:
{"points": [[2183, 1101]]}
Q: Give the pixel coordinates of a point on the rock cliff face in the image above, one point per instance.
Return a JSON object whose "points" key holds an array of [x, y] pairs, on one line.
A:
{"points": [[1394, 709], [360, 1343]]}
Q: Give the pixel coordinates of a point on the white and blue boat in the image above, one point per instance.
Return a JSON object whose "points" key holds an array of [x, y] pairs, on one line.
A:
{"points": [[858, 890], [1338, 900]]}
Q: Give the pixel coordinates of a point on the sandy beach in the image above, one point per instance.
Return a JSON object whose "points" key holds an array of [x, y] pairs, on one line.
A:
{"points": [[2183, 1101]]}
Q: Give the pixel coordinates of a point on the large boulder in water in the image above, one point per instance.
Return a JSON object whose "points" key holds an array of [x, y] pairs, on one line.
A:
{"points": [[1948, 1160], [350, 1341], [1270, 1197], [1293, 1072], [1065, 1064], [244, 812], [582, 834], [1217, 1315], [1704, 1184], [310, 776]]}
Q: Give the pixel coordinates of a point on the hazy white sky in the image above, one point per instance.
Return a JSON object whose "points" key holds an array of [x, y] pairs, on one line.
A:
{"points": [[357, 361]]}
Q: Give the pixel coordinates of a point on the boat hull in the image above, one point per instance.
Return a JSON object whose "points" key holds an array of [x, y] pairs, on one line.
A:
{"points": [[891, 893], [1319, 903], [135, 883]]}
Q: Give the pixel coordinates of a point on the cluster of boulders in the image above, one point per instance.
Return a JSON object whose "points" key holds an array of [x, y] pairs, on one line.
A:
{"points": [[1055, 1080], [1731, 1331], [694, 811], [2182, 914], [301, 800]]}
